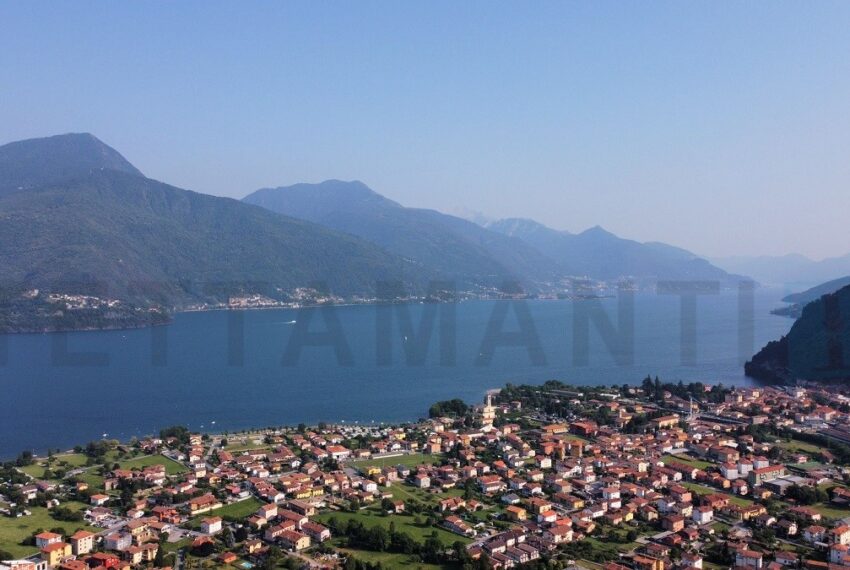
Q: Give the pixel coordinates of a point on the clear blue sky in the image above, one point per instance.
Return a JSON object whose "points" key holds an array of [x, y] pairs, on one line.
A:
{"points": [[721, 127]]}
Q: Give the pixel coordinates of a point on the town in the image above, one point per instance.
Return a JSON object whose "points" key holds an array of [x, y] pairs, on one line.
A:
{"points": [[652, 476]]}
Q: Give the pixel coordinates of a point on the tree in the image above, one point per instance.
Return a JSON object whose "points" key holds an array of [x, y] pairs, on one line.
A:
{"points": [[469, 489], [455, 407], [180, 433], [227, 537], [24, 458], [159, 559], [378, 538], [241, 534]]}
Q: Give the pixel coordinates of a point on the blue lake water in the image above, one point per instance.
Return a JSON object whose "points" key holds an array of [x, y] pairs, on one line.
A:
{"points": [[228, 367]]}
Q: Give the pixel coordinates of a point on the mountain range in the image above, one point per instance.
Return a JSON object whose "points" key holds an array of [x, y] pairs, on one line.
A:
{"points": [[459, 249], [93, 225], [88, 241], [600, 254], [453, 248]]}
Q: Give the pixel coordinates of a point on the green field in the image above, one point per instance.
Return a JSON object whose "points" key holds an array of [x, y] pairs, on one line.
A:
{"points": [[171, 466], [404, 492], [64, 462], [175, 546], [618, 547], [703, 490], [687, 459], [14, 530], [403, 523], [233, 511], [238, 446], [410, 460], [36, 470], [794, 445], [70, 460], [390, 560], [94, 480], [831, 511]]}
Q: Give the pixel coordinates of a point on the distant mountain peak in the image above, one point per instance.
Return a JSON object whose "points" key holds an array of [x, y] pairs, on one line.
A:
{"points": [[42, 161], [347, 193], [518, 227], [455, 248], [599, 254], [597, 230]]}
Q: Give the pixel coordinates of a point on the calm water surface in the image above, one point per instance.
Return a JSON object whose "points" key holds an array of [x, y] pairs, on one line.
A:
{"points": [[203, 372]]}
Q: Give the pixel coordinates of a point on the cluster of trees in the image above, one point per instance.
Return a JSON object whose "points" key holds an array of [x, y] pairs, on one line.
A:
{"points": [[66, 514], [97, 449], [455, 408], [806, 495], [539, 397], [584, 550], [180, 433], [655, 388], [24, 458], [768, 433], [720, 554], [10, 475], [841, 451], [379, 539]]}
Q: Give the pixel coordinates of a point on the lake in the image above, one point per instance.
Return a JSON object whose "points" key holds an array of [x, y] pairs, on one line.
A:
{"points": [[232, 370]]}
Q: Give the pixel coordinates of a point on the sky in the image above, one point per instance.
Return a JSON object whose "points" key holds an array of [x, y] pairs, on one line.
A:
{"points": [[721, 127]]}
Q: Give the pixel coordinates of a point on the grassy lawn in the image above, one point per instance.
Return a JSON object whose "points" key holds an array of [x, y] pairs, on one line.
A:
{"points": [[175, 546], [601, 546], [411, 460], [171, 466], [70, 460], [239, 510], [404, 492], [615, 538], [703, 490], [795, 446], [232, 512], [94, 480], [403, 523], [64, 462], [389, 560], [35, 470], [686, 459], [14, 530], [238, 446], [831, 511]]}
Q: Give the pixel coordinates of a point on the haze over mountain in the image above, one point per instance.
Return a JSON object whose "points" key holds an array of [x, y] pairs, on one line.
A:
{"points": [[457, 249], [793, 269], [77, 218], [800, 300], [602, 255], [461, 249], [114, 233]]}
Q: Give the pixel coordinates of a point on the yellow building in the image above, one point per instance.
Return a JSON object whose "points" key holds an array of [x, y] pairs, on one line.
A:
{"points": [[54, 553]]}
